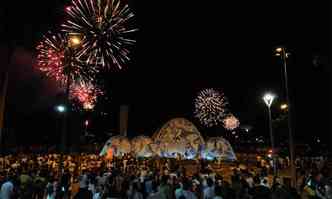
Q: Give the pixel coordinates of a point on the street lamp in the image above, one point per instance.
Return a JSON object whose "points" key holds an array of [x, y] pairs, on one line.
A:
{"points": [[60, 108], [284, 55], [268, 99], [73, 42]]}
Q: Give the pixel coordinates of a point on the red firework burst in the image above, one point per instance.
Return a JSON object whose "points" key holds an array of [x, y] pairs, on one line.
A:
{"points": [[59, 61], [86, 94]]}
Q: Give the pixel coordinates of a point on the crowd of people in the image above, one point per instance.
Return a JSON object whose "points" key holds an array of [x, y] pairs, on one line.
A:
{"points": [[88, 176]]}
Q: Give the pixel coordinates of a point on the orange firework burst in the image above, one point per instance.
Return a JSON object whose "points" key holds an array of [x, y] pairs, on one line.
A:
{"points": [[231, 122]]}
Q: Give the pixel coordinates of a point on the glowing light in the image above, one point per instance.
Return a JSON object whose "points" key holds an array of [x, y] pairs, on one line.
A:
{"points": [[86, 122], [52, 61], [74, 40], [268, 99], [283, 106], [231, 122], [107, 29], [86, 94], [279, 50], [210, 107], [61, 108]]}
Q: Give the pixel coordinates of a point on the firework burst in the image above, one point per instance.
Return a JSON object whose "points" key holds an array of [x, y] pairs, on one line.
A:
{"points": [[85, 94], [231, 122], [53, 60], [105, 26], [210, 107]]}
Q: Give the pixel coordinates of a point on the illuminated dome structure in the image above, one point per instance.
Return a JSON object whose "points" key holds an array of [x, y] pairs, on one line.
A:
{"points": [[140, 146], [178, 137], [120, 145], [219, 148]]}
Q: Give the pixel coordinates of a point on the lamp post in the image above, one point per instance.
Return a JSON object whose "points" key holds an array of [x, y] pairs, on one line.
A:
{"points": [[268, 99], [73, 41], [2, 109], [61, 109], [281, 51]]}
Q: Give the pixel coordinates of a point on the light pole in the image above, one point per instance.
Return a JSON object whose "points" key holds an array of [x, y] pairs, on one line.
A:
{"points": [[62, 109], [268, 99], [281, 51], [2, 109], [73, 41]]}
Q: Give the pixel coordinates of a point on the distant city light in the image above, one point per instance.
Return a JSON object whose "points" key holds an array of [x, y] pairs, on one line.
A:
{"points": [[278, 49], [283, 106]]}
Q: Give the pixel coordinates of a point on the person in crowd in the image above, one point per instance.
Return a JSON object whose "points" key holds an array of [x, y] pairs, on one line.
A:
{"points": [[218, 192], [50, 190], [164, 188], [84, 192], [259, 191], [279, 191], [208, 191], [135, 193], [328, 189], [7, 189]]}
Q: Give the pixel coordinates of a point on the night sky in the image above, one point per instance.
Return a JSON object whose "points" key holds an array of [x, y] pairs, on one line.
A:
{"points": [[182, 47]]}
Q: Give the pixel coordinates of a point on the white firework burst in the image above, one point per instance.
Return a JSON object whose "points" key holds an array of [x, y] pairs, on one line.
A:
{"points": [[210, 107], [106, 29]]}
